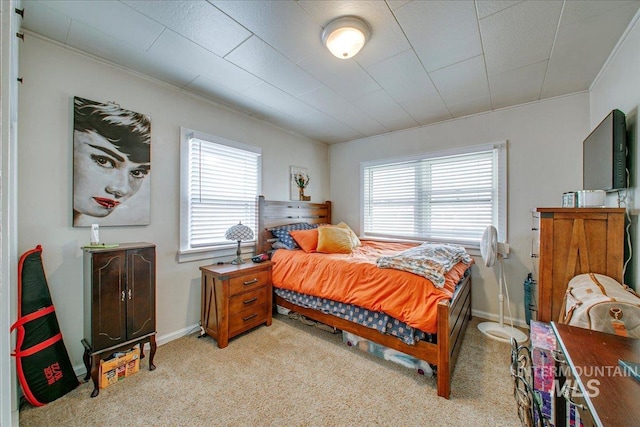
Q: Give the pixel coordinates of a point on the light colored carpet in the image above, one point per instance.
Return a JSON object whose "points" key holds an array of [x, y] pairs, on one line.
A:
{"points": [[291, 374]]}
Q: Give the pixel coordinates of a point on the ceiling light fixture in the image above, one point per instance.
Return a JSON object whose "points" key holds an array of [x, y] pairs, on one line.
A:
{"points": [[345, 36]]}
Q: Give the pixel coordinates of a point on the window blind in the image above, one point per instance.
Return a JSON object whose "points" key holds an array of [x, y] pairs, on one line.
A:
{"points": [[222, 190], [449, 198]]}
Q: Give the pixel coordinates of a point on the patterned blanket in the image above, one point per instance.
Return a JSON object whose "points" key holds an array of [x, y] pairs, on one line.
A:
{"points": [[429, 260]]}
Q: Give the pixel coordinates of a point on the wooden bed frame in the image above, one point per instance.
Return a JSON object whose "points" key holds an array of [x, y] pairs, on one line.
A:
{"points": [[453, 316]]}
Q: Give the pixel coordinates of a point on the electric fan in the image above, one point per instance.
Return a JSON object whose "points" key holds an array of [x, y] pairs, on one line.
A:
{"points": [[492, 250]]}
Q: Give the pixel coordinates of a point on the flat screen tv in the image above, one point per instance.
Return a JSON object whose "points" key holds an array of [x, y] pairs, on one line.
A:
{"points": [[604, 155]]}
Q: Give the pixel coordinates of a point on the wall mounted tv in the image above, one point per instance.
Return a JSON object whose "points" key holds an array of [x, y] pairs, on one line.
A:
{"points": [[604, 155]]}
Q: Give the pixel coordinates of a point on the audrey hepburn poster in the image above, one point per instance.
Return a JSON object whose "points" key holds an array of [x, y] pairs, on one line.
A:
{"points": [[111, 165]]}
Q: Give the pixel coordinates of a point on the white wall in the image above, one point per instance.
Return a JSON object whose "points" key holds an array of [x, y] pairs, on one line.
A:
{"points": [[544, 160], [618, 86], [9, 25], [52, 76]]}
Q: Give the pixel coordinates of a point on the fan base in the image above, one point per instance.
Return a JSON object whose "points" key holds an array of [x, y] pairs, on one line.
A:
{"points": [[502, 333]]}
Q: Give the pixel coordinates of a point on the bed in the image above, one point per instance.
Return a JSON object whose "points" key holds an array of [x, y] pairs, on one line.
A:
{"points": [[451, 315]]}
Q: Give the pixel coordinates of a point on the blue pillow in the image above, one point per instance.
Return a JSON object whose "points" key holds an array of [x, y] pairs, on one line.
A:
{"points": [[282, 233], [318, 225]]}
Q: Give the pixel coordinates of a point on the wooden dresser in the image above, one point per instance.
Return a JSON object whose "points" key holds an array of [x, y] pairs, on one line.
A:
{"points": [[603, 393], [235, 298], [572, 241]]}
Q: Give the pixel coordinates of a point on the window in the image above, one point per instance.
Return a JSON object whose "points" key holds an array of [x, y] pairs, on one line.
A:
{"points": [[220, 180], [447, 196]]}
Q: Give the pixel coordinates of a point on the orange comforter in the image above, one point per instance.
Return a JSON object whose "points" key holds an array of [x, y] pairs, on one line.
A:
{"points": [[355, 279]]}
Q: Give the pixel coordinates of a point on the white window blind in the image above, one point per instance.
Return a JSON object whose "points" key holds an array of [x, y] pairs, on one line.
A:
{"points": [[219, 189], [448, 197]]}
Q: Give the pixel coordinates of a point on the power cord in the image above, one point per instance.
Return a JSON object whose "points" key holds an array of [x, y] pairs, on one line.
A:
{"points": [[506, 290], [627, 228], [622, 203]]}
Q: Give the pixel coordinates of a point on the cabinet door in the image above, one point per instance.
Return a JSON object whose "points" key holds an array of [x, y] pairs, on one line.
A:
{"points": [[108, 299], [141, 292]]}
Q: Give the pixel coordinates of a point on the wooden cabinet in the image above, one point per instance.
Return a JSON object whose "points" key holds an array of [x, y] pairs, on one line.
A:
{"points": [[603, 393], [572, 241], [235, 298], [119, 302]]}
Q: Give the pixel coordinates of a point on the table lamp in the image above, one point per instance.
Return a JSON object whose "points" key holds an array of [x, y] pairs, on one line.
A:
{"points": [[238, 232]]}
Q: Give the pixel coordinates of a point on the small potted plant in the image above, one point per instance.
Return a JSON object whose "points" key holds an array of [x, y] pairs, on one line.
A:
{"points": [[302, 180]]}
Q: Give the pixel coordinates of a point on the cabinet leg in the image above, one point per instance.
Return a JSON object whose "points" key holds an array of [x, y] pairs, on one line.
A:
{"points": [[152, 353], [86, 358], [95, 368]]}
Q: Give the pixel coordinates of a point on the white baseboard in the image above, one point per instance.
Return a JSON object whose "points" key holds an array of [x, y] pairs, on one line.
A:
{"points": [[81, 370], [495, 318], [161, 340]]}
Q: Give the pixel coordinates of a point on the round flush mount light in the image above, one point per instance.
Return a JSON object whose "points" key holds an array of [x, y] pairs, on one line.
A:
{"points": [[345, 36]]}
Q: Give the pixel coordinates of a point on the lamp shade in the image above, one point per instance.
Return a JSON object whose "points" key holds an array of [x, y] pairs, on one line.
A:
{"points": [[239, 232], [345, 36]]}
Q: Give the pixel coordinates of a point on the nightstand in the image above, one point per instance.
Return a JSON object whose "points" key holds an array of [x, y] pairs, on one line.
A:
{"points": [[235, 298]]}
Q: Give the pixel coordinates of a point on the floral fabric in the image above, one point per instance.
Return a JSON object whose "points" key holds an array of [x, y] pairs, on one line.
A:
{"points": [[377, 320]]}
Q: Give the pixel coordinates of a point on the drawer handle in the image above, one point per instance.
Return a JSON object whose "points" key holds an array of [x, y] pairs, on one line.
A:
{"points": [[123, 295], [566, 393], [250, 282], [250, 317], [558, 356], [249, 301]]}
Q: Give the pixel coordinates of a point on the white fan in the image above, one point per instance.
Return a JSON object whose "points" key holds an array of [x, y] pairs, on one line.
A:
{"points": [[490, 250]]}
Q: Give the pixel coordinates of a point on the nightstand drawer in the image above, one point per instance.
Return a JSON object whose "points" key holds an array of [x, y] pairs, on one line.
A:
{"points": [[247, 319], [247, 300], [248, 282]]}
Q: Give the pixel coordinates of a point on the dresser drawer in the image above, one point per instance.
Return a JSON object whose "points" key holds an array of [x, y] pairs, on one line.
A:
{"points": [[247, 300], [249, 282], [247, 319]]}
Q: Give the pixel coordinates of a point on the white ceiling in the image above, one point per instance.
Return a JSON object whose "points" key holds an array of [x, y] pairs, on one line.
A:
{"points": [[426, 61]]}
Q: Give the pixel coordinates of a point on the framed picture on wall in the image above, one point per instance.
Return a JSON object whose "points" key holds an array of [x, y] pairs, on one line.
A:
{"points": [[111, 165], [298, 182]]}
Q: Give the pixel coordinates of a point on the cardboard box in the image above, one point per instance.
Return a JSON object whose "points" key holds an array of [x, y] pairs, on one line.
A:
{"points": [[120, 366], [108, 372], [132, 362]]}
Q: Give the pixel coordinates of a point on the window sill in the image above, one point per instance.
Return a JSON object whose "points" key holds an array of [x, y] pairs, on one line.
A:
{"points": [[222, 254]]}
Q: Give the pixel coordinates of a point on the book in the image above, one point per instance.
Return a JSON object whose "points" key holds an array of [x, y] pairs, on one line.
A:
{"points": [[631, 368]]}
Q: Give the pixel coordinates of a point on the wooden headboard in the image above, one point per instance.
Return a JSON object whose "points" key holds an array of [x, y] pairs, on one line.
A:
{"points": [[273, 213]]}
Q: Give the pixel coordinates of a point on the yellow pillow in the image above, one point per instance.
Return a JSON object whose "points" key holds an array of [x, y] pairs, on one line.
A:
{"points": [[355, 242], [334, 240]]}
